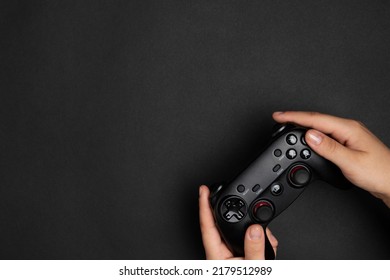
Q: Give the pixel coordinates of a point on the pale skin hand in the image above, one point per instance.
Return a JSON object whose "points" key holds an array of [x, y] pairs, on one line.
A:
{"points": [[361, 156], [216, 248]]}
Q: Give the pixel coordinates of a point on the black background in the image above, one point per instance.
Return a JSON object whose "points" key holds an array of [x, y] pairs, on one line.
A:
{"points": [[114, 112]]}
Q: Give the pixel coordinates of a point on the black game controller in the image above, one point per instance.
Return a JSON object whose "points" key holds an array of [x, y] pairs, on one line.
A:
{"points": [[269, 185]]}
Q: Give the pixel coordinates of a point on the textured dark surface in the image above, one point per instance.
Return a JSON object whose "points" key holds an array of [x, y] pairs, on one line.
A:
{"points": [[113, 112]]}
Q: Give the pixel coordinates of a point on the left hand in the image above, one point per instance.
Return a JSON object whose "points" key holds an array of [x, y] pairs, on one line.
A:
{"points": [[215, 247]]}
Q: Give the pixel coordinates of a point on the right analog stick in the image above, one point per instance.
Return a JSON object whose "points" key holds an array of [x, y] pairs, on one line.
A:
{"points": [[299, 175], [263, 211]]}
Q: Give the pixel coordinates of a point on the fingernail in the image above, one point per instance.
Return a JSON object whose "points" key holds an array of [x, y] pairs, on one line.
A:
{"points": [[315, 137], [255, 233], [278, 113], [200, 191]]}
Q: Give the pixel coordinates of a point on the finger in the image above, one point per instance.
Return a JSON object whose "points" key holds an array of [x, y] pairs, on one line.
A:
{"points": [[272, 239], [339, 128], [254, 243], [332, 150], [210, 235]]}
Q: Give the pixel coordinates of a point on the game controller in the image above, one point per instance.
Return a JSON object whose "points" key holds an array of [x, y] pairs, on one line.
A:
{"points": [[269, 185]]}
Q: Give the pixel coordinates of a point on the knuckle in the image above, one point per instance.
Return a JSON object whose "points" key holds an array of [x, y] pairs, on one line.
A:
{"points": [[313, 114]]}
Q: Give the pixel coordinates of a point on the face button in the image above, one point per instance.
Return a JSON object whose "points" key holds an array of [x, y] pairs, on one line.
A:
{"points": [[276, 168], [233, 209], [276, 189], [263, 211], [305, 154], [277, 153], [241, 188], [291, 154], [299, 175], [291, 139]]}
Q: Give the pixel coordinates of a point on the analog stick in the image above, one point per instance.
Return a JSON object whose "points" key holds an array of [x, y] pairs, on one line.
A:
{"points": [[299, 175], [263, 211]]}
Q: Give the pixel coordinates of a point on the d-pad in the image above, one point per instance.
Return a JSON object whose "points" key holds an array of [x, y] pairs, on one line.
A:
{"points": [[233, 209]]}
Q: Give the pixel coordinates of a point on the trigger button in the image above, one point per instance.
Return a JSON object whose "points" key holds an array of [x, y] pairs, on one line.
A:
{"points": [[278, 128]]}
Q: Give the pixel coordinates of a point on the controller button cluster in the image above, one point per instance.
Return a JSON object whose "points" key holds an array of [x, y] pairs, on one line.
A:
{"points": [[292, 139]]}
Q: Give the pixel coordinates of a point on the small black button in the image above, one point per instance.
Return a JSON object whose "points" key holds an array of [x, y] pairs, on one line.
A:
{"points": [[277, 153], [305, 154], [276, 189], [256, 188], [241, 188], [291, 154], [276, 168], [291, 139]]}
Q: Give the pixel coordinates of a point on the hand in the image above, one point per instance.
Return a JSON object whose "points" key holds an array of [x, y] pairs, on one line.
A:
{"points": [[361, 156], [213, 244]]}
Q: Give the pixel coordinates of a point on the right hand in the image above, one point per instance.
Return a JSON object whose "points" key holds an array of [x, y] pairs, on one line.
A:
{"points": [[361, 156]]}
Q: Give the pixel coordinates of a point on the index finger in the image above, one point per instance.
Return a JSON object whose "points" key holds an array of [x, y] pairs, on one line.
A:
{"points": [[338, 128], [210, 234]]}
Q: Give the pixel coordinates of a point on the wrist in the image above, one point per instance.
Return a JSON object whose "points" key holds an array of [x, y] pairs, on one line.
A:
{"points": [[380, 188]]}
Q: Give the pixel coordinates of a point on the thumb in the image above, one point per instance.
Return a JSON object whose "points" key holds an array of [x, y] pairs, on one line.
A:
{"points": [[330, 149], [254, 245]]}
